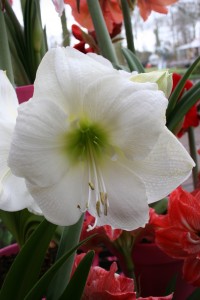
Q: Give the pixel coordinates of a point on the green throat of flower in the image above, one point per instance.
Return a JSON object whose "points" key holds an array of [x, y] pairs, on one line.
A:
{"points": [[89, 142]]}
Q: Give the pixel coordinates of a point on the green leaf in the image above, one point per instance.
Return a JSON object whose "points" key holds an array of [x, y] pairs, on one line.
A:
{"points": [[128, 25], [171, 287], [5, 57], [176, 93], [195, 295], [24, 271], [41, 286], [69, 239], [75, 288], [132, 61], [21, 224], [181, 109]]}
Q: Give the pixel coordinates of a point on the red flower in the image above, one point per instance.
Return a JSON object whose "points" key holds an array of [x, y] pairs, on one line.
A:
{"points": [[146, 7], [106, 285], [177, 233], [111, 11], [85, 39], [105, 235], [191, 118], [169, 297]]}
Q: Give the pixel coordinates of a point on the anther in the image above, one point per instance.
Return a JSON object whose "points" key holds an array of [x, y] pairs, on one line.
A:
{"points": [[91, 185]]}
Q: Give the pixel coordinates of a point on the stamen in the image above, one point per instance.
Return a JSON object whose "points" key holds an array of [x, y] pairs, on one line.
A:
{"points": [[91, 185], [98, 208], [91, 227]]}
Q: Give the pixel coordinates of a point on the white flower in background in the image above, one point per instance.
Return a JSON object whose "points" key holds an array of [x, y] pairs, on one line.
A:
{"points": [[59, 6], [162, 78], [13, 192], [91, 139]]}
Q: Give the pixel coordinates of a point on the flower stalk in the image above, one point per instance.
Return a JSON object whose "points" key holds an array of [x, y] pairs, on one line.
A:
{"points": [[102, 35], [193, 153], [128, 25]]}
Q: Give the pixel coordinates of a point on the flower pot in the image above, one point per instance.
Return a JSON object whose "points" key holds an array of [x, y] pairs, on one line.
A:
{"points": [[155, 271], [24, 93], [9, 250], [7, 256]]}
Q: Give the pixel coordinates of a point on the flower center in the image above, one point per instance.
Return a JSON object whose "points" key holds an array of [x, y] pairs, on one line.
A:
{"points": [[85, 137], [86, 141]]}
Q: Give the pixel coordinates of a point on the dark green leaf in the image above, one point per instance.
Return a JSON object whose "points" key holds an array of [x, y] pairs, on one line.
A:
{"points": [[176, 93], [171, 285], [41, 286], [132, 61], [195, 295], [21, 224], [24, 271], [70, 238], [182, 108], [77, 283]]}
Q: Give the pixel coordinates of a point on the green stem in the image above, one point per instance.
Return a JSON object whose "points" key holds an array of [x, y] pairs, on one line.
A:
{"points": [[69, 239], [65, 31], [128, 25], [193, 153], [102, 35], [5, 57]]}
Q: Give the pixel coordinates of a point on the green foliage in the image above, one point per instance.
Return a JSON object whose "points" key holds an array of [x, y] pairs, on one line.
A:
{"points": [[21, 224], [132, 61], [80, 276], [24, 271], [27, 44]]}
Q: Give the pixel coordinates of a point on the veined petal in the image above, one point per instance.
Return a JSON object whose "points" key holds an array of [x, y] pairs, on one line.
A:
{"points": [[9, 102], [127, 201], [64, 202], [6, 129], [36, 150], [132, 113], [15, 196], [67, 73], [165, 168], [13, 192]]}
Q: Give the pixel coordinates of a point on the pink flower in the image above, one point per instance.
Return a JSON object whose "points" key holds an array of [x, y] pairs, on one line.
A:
{"points": [[105, 235], [111, 11], [106, 285], [147, 6], [177, 233]]}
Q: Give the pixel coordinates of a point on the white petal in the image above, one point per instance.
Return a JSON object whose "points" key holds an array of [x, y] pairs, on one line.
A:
{"points": [[37, 149], [166, 167], [133, 114], [8, 99], [6, 129], [64, 202], [67, 73], [101, 60], [127, 198], [15, 196]]}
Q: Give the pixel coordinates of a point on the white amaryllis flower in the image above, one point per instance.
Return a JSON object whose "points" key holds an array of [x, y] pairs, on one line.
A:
{"points": [[91, 139], [13, 192]]}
